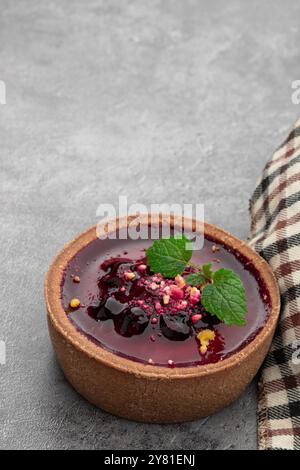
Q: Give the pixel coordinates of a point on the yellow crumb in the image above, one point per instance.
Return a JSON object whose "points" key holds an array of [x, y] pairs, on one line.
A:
{"points": [[205, 336], [75, 303], [194, 291], [180, 282], [129, 276]]}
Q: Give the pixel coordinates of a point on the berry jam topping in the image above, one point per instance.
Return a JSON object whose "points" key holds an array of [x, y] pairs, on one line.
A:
{"points": [[176, 326], [132, 298], [145, 317]]}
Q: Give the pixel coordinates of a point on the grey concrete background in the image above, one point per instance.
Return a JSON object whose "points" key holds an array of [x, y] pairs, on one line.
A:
{"points": [[162, 101]]}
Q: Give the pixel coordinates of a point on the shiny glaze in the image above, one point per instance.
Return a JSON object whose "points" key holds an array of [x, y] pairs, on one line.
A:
{"points": [[101, 267]]}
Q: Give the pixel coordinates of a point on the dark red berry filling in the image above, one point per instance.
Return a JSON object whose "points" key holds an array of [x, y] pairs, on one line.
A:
{"points": [[142, 316]]}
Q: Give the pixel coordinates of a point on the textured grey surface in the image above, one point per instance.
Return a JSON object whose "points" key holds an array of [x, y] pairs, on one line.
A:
{"points": [[162, 101]]}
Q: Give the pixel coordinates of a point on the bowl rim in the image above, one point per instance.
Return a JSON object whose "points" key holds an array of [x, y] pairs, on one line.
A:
{"points": [[61, 323]]}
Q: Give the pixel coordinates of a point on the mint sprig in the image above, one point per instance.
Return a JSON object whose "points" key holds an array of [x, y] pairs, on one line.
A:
{"points": [[169, 256], [226, 298], [207, 271], [196, 279], [203, 275], [223, 294]]}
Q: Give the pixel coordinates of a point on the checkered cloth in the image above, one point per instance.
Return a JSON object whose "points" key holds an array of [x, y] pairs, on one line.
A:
{"points": [[275, 234]]}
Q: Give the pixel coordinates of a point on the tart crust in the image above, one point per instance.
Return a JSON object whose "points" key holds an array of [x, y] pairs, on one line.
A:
{"points": [[150, 393]]}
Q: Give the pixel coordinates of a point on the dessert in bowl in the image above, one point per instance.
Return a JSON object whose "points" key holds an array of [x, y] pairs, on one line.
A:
{"points": [[147, 345]]}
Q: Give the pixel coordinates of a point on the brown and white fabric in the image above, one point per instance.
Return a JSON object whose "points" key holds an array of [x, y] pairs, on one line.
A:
{"points": [[275, 234]]}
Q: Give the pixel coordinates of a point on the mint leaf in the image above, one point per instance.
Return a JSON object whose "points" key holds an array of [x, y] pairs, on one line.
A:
{"points": [[195, 279], [202, 276], [226, 298], [169, 256], [207, 271]]}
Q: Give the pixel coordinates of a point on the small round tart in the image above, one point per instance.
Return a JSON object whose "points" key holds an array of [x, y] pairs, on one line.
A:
{"points": [[121, 330]]}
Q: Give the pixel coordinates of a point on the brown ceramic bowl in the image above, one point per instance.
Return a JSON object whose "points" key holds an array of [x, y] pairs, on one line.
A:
{"points": [[151, 393]]}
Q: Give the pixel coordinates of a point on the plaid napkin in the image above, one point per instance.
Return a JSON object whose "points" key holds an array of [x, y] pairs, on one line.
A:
{"points": [[275, 234]]}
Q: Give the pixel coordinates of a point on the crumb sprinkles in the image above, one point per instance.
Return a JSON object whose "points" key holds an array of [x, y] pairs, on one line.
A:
{"points": [[205, 337], [75, 303], [196, 318], [129, 276]]}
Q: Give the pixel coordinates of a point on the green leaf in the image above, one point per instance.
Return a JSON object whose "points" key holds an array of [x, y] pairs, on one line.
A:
{"points": [[207, 271], [195, 279], [202, 276], [169, 256], [226, 298]]}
